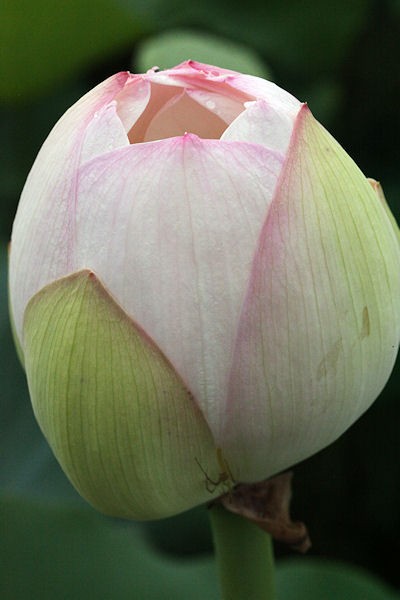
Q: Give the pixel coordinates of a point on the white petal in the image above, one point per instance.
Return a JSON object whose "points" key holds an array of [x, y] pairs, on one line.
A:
{"points": [[171, 228], [104, 133], [263, 89], [262, 124], [132, 100], [43, 236]]}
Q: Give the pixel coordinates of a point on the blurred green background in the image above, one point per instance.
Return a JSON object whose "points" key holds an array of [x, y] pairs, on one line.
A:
{"points": [[342, 57]]}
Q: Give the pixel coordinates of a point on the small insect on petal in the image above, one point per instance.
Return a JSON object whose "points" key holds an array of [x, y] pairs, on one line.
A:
{"points": [[225, 477]]}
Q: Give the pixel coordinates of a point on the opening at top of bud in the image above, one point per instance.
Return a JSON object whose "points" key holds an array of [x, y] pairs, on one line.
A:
{"points": [[174, 110]]}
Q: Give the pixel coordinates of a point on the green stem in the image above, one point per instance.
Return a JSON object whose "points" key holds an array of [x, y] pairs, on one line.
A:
{"points": [[245, 559]]}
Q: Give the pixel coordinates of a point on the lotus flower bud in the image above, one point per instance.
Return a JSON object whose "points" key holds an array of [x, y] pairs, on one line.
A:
{"points": [[204, 288]]}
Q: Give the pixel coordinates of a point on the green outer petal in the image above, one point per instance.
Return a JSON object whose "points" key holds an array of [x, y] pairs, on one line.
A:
{"points": [[123, 426], [320, 327]]}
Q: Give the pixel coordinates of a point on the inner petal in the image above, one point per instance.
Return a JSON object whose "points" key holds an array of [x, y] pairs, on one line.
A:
{"points": [[225, 107], [172, 112]]}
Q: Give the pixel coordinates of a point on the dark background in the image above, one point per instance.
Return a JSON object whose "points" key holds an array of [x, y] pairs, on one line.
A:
{"points": [[342, 58]]}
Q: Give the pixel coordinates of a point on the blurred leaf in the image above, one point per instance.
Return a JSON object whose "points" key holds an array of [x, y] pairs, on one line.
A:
{"points": [[173, 47], [312, 579], [299, 36], [45, 42], [51, 551]]}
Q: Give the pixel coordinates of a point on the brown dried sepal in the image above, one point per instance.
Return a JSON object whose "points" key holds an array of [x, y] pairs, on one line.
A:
{"points": [[267, 504]]}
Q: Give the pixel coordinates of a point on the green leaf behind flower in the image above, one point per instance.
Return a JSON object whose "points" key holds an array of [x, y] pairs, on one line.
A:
{"points": [[51, 551], [173, 47]]}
